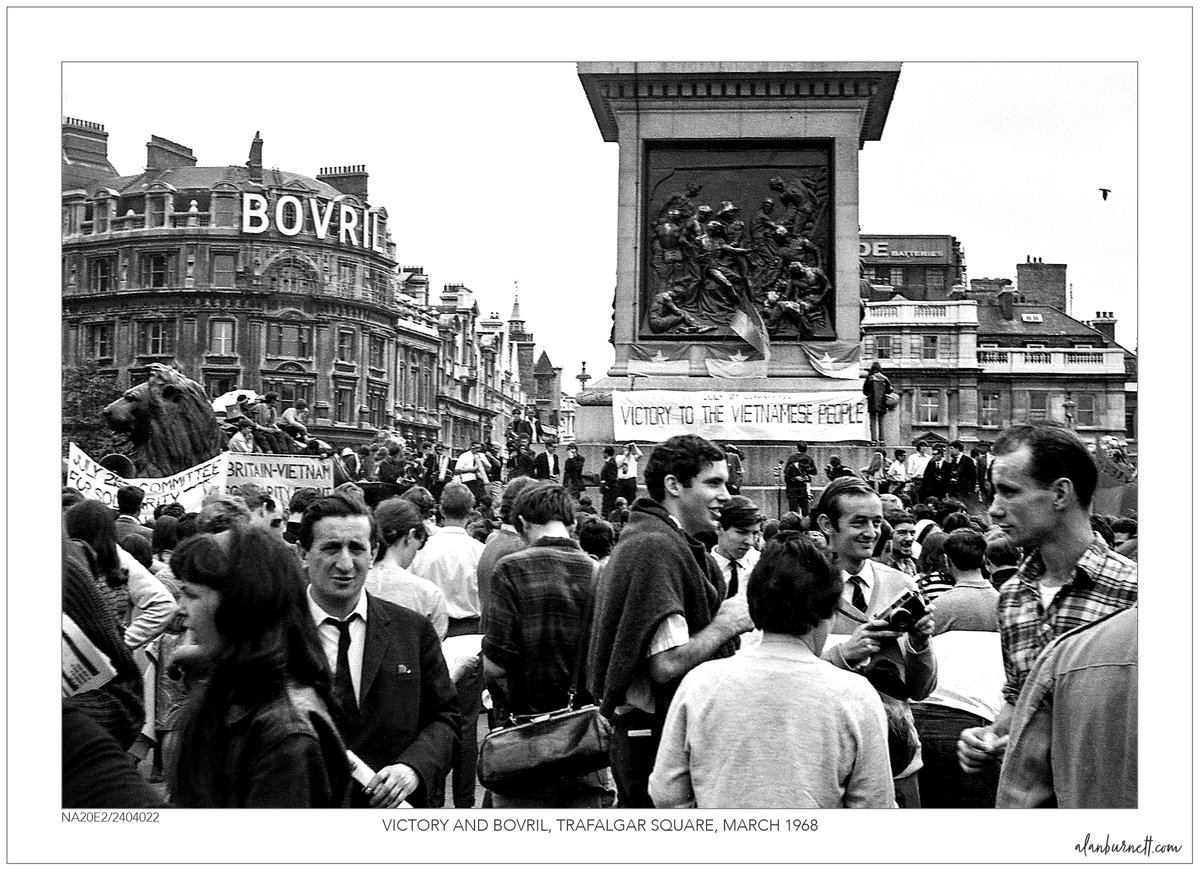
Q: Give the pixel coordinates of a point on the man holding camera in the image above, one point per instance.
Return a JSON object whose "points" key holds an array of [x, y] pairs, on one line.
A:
{"points": [[888, 639]]}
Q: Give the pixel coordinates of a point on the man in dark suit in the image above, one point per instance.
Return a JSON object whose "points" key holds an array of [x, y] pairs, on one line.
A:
{"points": [[529, 426], [608, 482], [936, 480], [438, 470], [546, 467], [962, 479], [398, 710], [129, 504], [573, 473]]}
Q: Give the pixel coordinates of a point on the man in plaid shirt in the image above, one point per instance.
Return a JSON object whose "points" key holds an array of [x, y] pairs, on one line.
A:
{"points": [[1044, 479]]}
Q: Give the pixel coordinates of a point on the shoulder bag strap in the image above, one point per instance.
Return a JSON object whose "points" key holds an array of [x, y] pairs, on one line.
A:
{"points": [[581, 649]]}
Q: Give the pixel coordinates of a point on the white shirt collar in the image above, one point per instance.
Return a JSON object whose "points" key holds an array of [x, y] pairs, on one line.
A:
{"points": [[867, 573], [319, 614]]}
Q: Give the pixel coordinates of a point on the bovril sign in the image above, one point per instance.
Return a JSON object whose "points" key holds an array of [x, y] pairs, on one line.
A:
{"points": [[357, 227]]}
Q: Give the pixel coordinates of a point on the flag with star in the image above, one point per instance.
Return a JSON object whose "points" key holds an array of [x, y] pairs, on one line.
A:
{"points": [[672, 360], [834, 359], [725, 363]]}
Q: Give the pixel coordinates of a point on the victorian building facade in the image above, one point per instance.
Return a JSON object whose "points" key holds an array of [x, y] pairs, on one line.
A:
{"points": [[250, 277], [972, 362]]}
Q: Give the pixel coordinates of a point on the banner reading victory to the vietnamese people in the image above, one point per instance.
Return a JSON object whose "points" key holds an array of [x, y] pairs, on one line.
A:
{"points": [[655, 415]]}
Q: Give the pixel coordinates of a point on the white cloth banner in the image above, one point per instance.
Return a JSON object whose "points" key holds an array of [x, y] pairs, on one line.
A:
{"points": [[278, 474], [187, 487], [656, 415]]}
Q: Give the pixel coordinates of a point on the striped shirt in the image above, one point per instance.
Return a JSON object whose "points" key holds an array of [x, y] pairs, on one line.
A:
{"points": [[1104, 582], [933, 584]]}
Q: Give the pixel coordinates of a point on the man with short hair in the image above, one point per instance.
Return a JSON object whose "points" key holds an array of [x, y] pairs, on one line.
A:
{"points": [[397, 706], [546, 467], [1001, 559], [740, 524], [535, 640], [222, 511], [1044, 479], [661, 609], [438, 470], [970, 605], [451, 560], [850, 516], [897, 473], [608, 482], [242, 442], [472, 470], [915, 467], [798, 470], [573, 473], [129, 506], [503, 541], [961, 483], [627, 472], [263, 511], [904, 535], [935, 480]]}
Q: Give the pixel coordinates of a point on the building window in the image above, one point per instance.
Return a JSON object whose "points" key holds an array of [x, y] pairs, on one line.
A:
{"points": [[156, 210], [220, 338], [1085, 409], [158, 269], [1039, 401], [289, 340], [929, 407], [100, 222], [345, 346], [935, 279], [883, 347], [929, 347], [896, 276], [224, 270], [156, 338], [344, 411], [376, 346], [224, 212], [218, 385], [989, 409], [377, 402], [346, 276], [98, 341], [289, 391], [100, 274], [291, 277]]}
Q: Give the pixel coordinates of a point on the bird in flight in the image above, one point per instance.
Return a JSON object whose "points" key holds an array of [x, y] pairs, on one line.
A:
{"points": [[1104, 192]]}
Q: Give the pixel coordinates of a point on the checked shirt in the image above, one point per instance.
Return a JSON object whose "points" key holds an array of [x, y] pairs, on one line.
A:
{"points": [[1104, 582]]}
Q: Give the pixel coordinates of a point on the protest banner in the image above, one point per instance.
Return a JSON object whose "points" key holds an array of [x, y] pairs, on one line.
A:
{"points": [[187, 487], [655, 415], [279, 475]]}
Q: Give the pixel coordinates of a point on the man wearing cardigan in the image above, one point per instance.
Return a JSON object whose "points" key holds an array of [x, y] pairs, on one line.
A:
{"points": [[661, 608]]}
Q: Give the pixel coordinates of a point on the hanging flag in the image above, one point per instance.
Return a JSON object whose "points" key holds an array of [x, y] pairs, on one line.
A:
{"points": [[834, 359], [722, 363], [748, 323], [671, 361]]}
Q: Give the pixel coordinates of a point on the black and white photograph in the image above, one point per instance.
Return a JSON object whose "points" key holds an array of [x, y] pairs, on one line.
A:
{"points": [[485, 438]]}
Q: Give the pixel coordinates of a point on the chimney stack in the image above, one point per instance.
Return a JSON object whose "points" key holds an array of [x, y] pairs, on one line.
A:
{"points": [[165, 154], [255, 161], [1005, 300], [350, 180], [85, 142], [1105, 324]]}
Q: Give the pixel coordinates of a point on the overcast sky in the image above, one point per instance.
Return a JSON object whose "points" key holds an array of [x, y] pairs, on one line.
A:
{"points": [[520, 187]]}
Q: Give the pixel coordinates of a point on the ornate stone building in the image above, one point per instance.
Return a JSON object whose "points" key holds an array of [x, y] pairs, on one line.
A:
{"points": [[243, 276]]}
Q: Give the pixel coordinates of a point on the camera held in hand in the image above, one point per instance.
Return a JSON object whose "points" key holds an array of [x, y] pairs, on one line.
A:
{"points": [[903, 614]]}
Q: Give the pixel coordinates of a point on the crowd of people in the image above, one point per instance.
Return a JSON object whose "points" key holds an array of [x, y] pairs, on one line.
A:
{"points": [[898, 638]]}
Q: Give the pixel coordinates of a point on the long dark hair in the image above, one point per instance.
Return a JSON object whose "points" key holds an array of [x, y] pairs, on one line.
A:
{"points": [[269, 632], [93, 523]]}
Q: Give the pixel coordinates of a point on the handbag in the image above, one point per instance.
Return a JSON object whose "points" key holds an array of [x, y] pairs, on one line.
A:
{"points": [[891, 400], [544, 747]]}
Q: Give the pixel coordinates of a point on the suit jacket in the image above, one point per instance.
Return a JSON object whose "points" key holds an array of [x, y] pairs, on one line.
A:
{"points": [[573, 472], [962, 476], [408, 708], [920, 668], [126, 525], [546, 466], [433, 477], [936, 480]]}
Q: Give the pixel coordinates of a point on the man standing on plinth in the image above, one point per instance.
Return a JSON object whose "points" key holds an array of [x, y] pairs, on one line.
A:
{"points": [[876, 388]]}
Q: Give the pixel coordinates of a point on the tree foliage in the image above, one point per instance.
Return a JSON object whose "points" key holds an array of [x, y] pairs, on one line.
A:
{"points": [[86, 390]]}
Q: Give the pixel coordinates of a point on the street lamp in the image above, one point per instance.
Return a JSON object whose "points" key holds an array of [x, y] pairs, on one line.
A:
{"points": [[583, 377]]}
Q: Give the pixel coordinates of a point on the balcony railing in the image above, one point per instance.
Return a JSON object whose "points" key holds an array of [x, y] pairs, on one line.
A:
{"points": [[949, 312], [1099, 361]]}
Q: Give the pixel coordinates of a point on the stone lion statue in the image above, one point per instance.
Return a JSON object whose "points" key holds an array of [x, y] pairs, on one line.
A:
{"points": [[170, 422]]}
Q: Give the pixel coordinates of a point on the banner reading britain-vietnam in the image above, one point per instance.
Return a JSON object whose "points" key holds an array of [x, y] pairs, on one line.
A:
{"points": [[655, 415]]}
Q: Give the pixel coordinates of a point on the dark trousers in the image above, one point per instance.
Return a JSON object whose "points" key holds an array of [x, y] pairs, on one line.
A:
{"points": [[798, 501], [470, 700], [631, 757], [943, 782], [627, 487], [608, 498]]}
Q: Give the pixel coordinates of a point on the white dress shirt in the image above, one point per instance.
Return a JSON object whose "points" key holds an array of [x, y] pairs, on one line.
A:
{"points": [[451, 560], [745, 565], [867, 573], [330, 633]]}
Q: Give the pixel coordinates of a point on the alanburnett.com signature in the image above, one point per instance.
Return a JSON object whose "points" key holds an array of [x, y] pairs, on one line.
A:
{"points": [[1145, 847]]}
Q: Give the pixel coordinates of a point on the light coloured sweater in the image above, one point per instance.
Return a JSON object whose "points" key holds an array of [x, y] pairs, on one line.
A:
{"points": [[774, 728]]}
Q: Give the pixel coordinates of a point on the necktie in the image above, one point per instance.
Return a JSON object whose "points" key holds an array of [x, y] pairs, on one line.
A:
{"points": [[343, 686], [857, 599], [733, 580]]}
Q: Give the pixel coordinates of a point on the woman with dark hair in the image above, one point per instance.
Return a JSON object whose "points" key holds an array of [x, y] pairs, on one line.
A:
{"points": [[164, 539], [820, 733], [933, 574], [259, 732], [141, 604]]}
